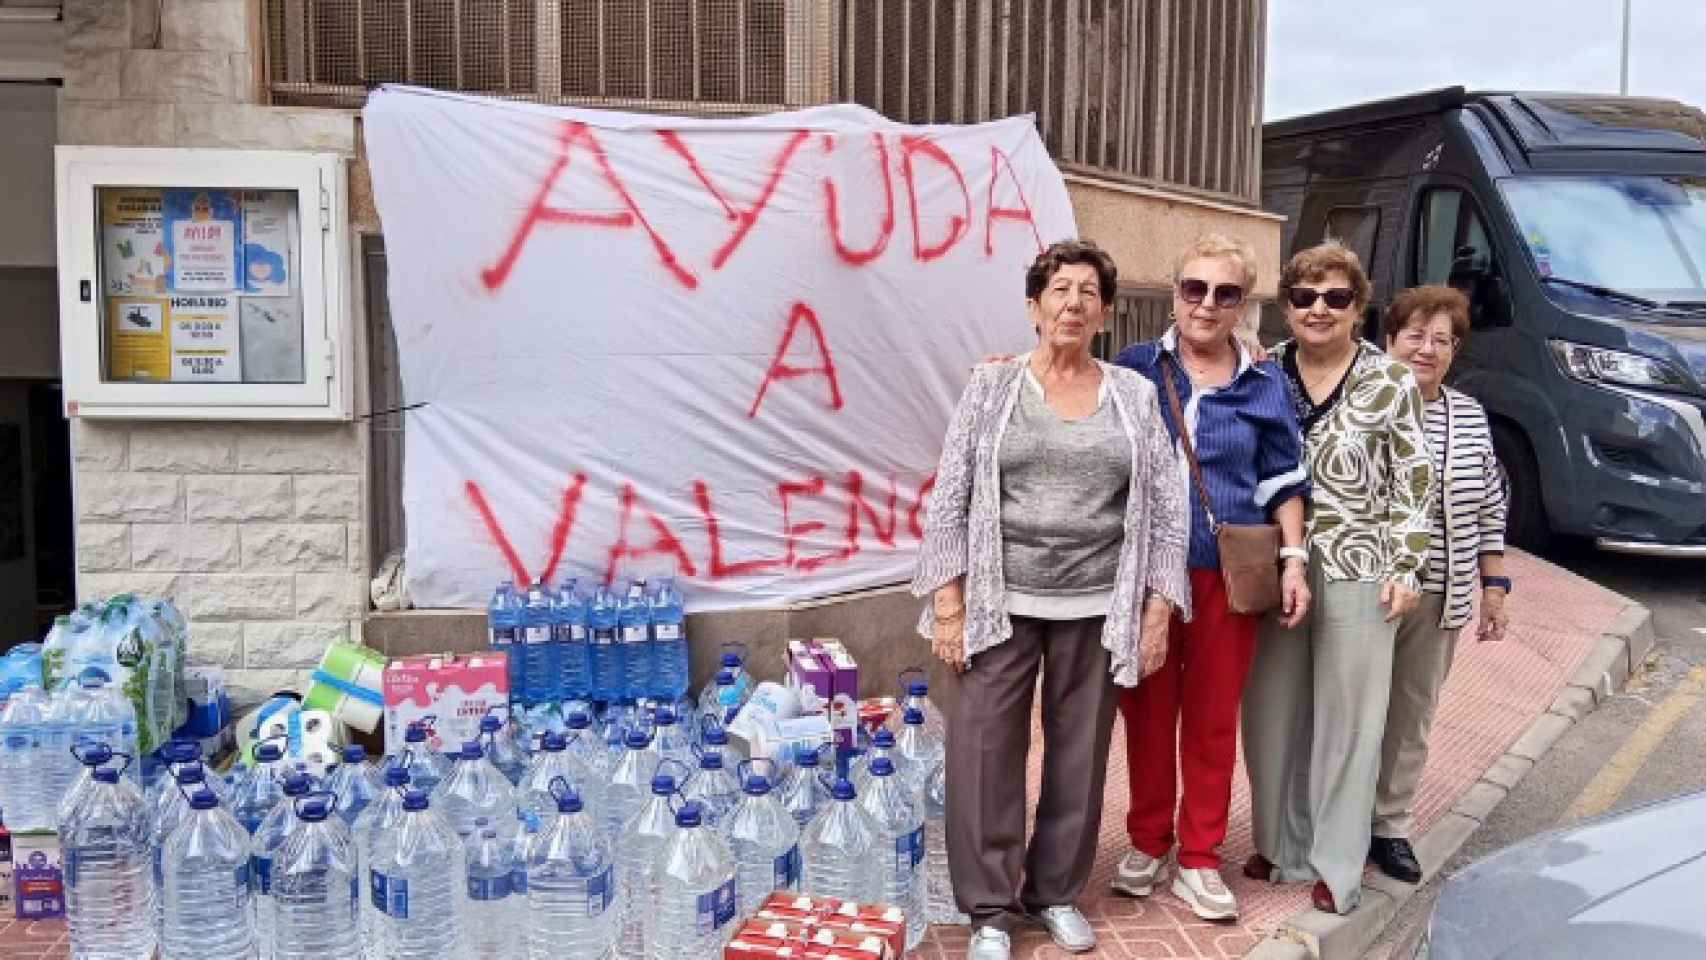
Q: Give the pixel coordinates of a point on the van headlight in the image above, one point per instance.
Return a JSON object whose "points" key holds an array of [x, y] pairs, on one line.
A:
{"points": [[1600, 365]]}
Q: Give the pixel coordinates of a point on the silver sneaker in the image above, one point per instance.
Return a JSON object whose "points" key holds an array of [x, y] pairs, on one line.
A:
{"points": [[1136, 874], [1205, 893], [1071, 932], [989, 943]]}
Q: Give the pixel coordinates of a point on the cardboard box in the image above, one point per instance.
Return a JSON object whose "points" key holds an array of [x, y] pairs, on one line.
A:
{"points": [[821, 671], [38, 877], [865, 919], [762, 939], [448, 694], [6, 879]]}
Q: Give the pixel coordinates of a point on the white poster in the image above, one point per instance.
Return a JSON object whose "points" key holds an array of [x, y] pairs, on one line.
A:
{"points": [[268, 228], [204, 340], [724, 349]]}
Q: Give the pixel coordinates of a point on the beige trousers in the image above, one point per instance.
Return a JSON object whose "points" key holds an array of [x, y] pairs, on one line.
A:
{"points": [[1420, 661]]}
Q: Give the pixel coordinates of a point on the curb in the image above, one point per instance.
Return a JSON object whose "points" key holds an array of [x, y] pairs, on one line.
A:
{"points": [[1312, 935]]}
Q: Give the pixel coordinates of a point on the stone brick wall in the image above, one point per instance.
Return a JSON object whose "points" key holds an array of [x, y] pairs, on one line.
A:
{"points": [[257, 530]]}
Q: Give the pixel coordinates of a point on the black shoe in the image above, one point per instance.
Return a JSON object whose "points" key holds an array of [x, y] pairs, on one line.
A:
{"points": [[1395, 858]]}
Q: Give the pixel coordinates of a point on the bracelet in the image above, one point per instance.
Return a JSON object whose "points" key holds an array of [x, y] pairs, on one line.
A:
{"points": [[1294, 553], [1501, 583], [954, 617]]}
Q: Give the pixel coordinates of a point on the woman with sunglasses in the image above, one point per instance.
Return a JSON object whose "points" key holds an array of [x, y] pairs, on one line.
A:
{"points": [[1183, 720], [1316, 704], [1423, 328]]}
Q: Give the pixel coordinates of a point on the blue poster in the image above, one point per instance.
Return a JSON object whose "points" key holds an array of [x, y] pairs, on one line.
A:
{"points": [[202, 229]]}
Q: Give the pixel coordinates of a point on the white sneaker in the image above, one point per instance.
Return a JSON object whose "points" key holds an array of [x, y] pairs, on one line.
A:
{"points": [[1136, 874], [989, 943], [1071, 932], [1205, 893]]}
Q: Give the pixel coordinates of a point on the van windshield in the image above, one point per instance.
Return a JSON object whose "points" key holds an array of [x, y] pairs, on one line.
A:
{"points": [[1638, 235]]}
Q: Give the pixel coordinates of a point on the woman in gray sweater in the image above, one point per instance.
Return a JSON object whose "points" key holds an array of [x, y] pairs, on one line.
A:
{"points": [[1054, 541]]}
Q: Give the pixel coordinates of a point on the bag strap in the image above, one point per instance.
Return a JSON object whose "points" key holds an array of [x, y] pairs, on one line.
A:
{"points": [[1185, 439]]}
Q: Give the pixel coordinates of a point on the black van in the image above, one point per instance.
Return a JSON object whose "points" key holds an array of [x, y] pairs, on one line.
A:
{"points": [[1577, 224]]}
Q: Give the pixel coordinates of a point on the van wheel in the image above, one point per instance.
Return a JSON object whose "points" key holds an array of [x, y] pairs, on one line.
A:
{"points": [[1525, 524]]}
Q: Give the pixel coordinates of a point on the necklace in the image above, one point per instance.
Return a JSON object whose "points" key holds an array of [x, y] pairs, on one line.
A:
{"points": [[1337, 366], [1199, 370]]}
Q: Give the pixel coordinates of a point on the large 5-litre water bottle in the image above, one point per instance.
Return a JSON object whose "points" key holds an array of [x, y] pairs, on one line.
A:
{"points": [[921, 750], [803, 792], [765, 842], [636, 846], [669, 642], [205, 892], [571, 886], [584, 743], [634, 621], [697, 891], [714, 788], [273, 831], [669, 740], [427, 767], [94, 757], [260, 789], [714, 739], [497, 738], [916, 687], [503, 631], [473, 790], [316, 890], [939, 905], [882, 745], [900, 857], [538, 653], [24, 790], [839, 850], [418, 885], [569, 635], [354, 784], [496, 912], [378, 819], [551, 765], [166, 816], [629, 786], [607, 655], [109, 875]]}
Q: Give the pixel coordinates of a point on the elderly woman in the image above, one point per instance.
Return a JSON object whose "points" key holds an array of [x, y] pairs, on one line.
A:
{"points": [[1423, 329], [1054, 542], [1316, 703], [1182, 723]]}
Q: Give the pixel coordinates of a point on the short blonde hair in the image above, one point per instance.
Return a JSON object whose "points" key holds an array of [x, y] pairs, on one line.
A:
{"points": [[1224, 247], [1313, 265]]}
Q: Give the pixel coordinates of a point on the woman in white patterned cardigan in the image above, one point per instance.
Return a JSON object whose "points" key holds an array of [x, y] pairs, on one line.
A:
{"points": [[1054, 542]]}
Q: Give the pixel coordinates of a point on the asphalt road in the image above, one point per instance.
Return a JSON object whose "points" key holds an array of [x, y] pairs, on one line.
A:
{"points": [[1580, 774]]}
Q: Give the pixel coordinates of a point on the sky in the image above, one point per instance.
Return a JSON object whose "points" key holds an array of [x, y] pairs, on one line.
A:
{"points": [[1329, 53]]}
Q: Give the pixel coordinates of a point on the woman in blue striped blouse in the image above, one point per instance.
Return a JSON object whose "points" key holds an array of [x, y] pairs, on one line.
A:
{"points": [[1423, 329]]}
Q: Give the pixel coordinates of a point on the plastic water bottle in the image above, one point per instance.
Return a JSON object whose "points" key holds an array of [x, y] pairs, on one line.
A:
{"points": [[697, 891], [260, 789], [165, 818], [714, 788], [669, 641], [900, 857], [883, 746], [802, 791], [921, 750], [722, 697], [553, 764], [418, 885], [498, 741], [176, 754], [378, 819], [571, 886], [629, 786], [569, 634], [939, 905], [316, 888], [584, 743], [915, 695], [503, 628], [839, 850], [669, 741], [279, 824], [93, 759], [765, 842], [427, 767], [109, 874], [493, 925], [637, 845], [353, 785], [205, 892], [538, 654], [633, 620], [24, 790], [58, 735], [605, 652], [474, 789]]}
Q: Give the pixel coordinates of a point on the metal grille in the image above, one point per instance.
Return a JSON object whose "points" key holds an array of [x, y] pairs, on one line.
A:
{"points": [[698, 56], [1139, 315]]}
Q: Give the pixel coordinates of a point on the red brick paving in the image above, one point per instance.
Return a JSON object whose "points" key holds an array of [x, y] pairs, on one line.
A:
{"points": [[1494, 692]]}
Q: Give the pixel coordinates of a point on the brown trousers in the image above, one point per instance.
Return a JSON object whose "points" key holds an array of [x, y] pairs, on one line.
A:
{"points": [[989, 737]]}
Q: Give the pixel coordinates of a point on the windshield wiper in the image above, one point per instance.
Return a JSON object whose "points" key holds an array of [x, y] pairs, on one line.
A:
{"points": [[1607, 292]]}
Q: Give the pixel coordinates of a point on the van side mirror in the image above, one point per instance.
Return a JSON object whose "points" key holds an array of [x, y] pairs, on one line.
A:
{"points": [[1489, 297]]}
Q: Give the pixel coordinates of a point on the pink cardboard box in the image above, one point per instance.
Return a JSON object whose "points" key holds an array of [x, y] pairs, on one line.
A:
{"points": [[449, 694], [825, 666]]}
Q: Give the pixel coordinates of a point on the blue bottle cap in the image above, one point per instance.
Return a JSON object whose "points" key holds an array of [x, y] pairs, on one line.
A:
{"points": [[912, 715], [296, 785], [843, 790], [725, 677], [415, 734], [397, 776], [884, 737], [882, 767], [569, 802], [203, 800], [917, 688], [807, 758], [268, 753], [355, 753], [731, 660], [663, 785], [756, 786], [711, 761], [689, 815], [97, 755], [415, 800], [665, 717], [636, 740], [183, 751], [471, 750], [490, 724], [488, 834], [106, 774], [554, 742], [191, 773], [716, 737], [577, 720], [314, 811]]}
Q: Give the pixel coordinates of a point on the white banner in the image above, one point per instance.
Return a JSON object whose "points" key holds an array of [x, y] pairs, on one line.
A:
{"points": [[726, 349]]}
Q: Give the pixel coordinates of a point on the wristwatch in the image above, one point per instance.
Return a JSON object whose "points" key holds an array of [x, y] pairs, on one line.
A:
{"points": [[1503, 583]]}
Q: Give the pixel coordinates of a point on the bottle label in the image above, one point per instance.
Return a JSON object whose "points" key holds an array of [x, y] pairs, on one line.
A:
{"points": [[908, 853], [577, 633], [604, 636], [483, 889], [634, 633], [715, 909], [600, 893], [535, 633], [390, 895], [261, 869], [788, 869], [18, 741], [518, 881], [667, 631]]}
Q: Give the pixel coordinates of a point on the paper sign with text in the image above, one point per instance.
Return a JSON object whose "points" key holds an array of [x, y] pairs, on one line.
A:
{"points": [[722, 349]]}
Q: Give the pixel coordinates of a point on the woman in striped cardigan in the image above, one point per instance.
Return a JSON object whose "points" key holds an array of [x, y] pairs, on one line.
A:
{"points": [[1423, 328]]}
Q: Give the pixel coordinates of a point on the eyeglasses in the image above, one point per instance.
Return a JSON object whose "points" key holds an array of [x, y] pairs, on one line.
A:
{"points": [[1226, 295], [1338, 298], [1415, 339]]}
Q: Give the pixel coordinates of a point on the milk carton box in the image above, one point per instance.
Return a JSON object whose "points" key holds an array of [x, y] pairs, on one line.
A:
{"points": [[825, 677], [38, 877], [448, 694]]}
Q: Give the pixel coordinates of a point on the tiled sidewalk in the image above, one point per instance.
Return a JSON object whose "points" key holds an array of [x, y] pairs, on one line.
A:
{"points": [[1494, 692]]}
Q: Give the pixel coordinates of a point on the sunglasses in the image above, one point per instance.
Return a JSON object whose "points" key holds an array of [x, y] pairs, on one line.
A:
{"points": [[1226, 295], [1338, 298]]}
